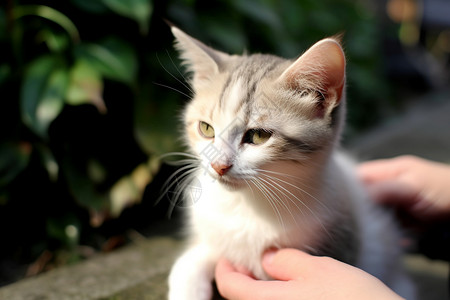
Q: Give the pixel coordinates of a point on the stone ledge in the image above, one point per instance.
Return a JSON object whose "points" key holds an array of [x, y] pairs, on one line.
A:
{"points": [[140, 269], [430, 277], [139, 272]]}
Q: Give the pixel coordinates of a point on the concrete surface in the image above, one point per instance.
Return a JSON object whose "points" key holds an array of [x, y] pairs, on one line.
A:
{"points": [[423, 130], [137, 271]]}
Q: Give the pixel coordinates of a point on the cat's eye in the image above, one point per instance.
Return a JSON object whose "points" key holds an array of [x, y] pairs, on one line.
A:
{"points": [[206, 130], [257, 136]]}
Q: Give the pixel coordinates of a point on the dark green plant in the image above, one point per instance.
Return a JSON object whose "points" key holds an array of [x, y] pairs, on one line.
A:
{"points": [[55, 149]]}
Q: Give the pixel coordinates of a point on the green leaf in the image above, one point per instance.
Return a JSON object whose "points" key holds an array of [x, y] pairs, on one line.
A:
{"points": [[50, 14], [48, 161], [230, 36], [42, 93], [85, 86], [154, 128], [92, 7], [138, 10], [5, 73], [65, 228], [260, 12], [13, 160], [54, 41], [112, 58], [81, 186], [129, 190], [3, 25]]}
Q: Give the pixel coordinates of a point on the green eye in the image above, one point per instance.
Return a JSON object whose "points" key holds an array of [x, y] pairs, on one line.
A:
{"points": [[257, 136], [206, 130]]}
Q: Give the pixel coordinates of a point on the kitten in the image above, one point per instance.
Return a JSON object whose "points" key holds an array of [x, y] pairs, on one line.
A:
{"points": [[263, 131]]}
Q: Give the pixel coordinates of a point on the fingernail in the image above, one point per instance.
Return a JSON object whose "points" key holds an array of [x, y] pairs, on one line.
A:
{"points": [[268, 256]]}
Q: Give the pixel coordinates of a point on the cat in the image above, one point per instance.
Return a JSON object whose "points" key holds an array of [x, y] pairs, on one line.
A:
{"points": [[263, 136]]}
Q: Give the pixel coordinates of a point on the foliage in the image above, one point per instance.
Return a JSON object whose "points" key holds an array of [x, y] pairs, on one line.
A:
{"points": [[85, 111]]}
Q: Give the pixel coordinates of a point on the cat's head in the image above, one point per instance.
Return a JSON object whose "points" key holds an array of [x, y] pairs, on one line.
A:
{"points": [[249, 112]]}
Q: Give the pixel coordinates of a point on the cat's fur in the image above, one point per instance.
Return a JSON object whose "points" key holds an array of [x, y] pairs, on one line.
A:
{"points": [[295, 189]]}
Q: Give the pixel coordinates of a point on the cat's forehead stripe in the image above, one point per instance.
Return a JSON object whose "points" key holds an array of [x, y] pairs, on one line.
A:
{"points": [[245, 78], [237, 95], [224, 88]]}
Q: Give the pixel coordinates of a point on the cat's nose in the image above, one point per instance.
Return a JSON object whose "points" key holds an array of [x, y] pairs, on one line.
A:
{"points": [[221, 169]]}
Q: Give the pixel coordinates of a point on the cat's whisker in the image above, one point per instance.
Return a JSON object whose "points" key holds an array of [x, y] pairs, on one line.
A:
{"points": [[191, 159], [303, 203], [180, 188], [173, 76], [298, 180], [173, 89], [317, 200], [281, 200], [296, 187], [169, 154], [183, 162], [249, 186], [270, 199], [166, 187], [287, 193], [179, 72], [277, 173], [180, 178], [276, 200]]}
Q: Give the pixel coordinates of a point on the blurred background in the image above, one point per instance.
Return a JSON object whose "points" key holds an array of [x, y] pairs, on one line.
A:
{"points": [[90, 94]]}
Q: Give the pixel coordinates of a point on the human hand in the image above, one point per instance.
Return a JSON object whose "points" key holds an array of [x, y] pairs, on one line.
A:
{"points": [[417, 186], [300, 276]]}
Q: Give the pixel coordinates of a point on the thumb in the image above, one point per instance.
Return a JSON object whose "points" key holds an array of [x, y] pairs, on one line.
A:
{"points": [[286, 264]]}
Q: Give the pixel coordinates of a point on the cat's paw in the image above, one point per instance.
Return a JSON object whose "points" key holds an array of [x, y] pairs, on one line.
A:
{"points": [[187, 290], [191, 276]]}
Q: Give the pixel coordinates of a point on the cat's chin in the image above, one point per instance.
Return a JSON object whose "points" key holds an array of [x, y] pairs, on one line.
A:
{"points": [[230, 182]]}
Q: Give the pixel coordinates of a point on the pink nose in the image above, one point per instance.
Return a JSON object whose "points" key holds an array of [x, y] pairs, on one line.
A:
{"points": [[221, 169]]}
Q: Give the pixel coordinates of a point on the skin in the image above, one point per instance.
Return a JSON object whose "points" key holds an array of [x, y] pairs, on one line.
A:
{"points": [[419, 187], [300, 276]]}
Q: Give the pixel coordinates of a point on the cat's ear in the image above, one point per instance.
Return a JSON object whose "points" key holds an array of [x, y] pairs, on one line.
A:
{"points": [[200, 59], [321, 68]]}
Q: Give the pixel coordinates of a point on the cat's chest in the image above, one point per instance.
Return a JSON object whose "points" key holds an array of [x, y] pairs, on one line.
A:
{"points": [[230, 221], [228, 216], [232, 226]]}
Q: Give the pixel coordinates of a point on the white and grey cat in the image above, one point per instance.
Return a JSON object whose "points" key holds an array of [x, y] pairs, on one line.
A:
{"points": [[263, 133]]}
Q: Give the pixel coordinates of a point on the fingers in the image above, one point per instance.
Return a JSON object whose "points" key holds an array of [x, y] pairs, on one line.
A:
{"points": [[390, 181], [393, 193], [230, 283], [237, 286], [379, 170], [298, 276], [287, 264]]}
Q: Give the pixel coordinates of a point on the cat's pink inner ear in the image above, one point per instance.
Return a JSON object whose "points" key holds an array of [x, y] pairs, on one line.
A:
{"points": [[323, 64]]}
